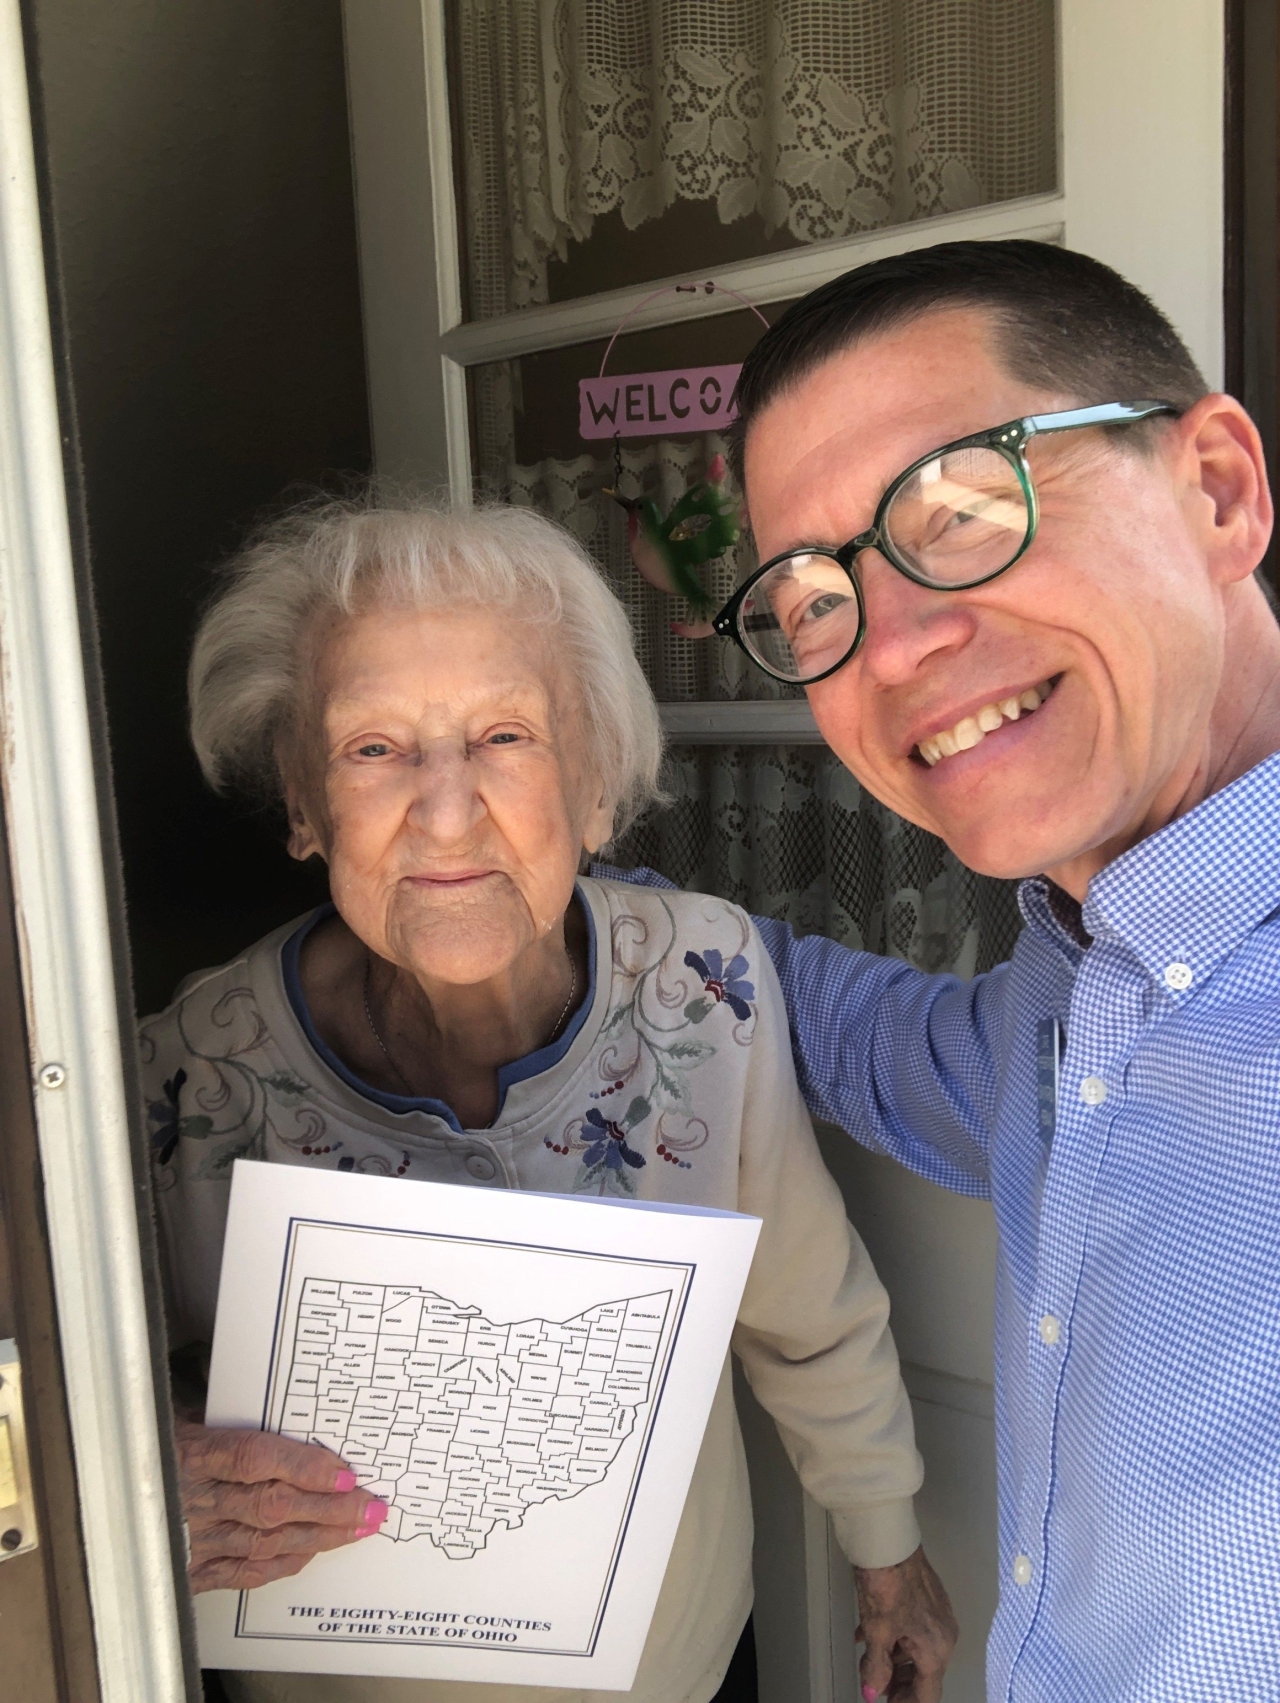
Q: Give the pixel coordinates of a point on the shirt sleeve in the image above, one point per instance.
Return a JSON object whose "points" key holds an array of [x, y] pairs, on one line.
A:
{"points": [[904, 1061], [813, 1328]]}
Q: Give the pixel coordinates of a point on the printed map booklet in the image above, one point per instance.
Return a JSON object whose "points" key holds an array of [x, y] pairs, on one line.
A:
{"points": [[524, 1378]]}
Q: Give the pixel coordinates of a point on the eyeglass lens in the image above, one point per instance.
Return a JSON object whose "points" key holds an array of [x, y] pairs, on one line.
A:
{"points": [[802, 617], [960, 518]]}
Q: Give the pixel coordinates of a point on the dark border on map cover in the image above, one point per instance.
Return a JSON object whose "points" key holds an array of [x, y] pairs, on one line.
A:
{"points": [[486, 1241]]}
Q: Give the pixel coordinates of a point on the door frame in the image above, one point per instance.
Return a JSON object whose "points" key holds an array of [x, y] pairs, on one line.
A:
{"points": [[1251, 187], [62, 914]]}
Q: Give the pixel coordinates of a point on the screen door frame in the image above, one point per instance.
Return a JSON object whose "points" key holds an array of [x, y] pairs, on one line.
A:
{"points": [[64, 908]]}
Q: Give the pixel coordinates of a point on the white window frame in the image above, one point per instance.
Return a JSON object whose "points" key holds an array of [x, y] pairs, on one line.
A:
{"points": [[1140, 103]]}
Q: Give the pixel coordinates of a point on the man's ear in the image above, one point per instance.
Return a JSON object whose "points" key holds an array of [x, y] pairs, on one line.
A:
{"points": [[1227, 464], [303, 841]]}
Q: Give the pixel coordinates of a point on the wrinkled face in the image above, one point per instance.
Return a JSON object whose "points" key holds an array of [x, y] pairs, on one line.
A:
{"points": [[1111, 624], [453, 798]]}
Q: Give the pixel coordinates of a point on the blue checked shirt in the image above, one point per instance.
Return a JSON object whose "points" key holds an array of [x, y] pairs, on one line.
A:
{"points": [[1138, 1203]]}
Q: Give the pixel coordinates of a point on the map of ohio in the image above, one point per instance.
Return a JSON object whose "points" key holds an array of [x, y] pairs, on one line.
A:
{"points": [[463, 1425]]}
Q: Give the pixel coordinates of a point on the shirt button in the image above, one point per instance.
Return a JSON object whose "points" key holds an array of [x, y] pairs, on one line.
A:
{"points": [[1022, 1570], [1093, 1090], [482, 1169], [1178, 976], [1050, 1330]]}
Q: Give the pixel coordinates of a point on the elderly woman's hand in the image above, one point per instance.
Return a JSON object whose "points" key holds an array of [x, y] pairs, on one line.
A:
{"points": [[258, 1507], [909, 1629]]}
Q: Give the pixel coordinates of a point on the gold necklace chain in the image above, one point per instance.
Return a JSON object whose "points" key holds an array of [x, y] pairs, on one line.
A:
{"points": [[375, 1032], [373, 1027]]}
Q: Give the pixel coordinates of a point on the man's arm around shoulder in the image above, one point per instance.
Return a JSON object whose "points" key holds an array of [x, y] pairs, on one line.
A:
{"points": [[902, 1060]]}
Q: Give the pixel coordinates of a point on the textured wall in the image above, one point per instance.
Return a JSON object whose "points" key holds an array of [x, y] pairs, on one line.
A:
{"points": [[202, 196]]}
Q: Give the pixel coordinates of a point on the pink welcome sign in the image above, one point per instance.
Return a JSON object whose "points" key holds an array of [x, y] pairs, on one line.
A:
{"points": [[650, 405]]}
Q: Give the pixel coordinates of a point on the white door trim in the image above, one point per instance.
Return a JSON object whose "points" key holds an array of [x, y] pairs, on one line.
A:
{"points": [[410, 278], [778, 721], [1142, 138], [46, 765]]}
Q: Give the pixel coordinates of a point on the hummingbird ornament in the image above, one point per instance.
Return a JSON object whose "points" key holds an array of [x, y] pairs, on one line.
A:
{"points": [[668, 550]]}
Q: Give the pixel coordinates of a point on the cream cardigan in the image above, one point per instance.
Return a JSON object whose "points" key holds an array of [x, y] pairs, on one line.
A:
{"points": [[677, 1086]]}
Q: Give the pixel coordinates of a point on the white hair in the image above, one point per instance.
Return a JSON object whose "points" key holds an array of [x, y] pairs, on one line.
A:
{"points": [[326, 559]]}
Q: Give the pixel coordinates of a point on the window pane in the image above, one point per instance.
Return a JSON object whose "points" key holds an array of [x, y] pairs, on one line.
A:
{"points": [[609, 142]]}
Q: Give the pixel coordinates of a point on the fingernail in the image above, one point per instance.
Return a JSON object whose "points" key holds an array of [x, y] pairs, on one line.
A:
{"points": [[346, 1480], [870, 1693], [375, 1514]]}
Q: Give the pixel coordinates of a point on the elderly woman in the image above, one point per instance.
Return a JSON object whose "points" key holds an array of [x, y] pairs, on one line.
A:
{"points": [[451, 709]]}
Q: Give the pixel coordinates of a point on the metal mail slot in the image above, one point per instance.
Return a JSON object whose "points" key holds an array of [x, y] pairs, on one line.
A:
{"points": [[17, 1509]]}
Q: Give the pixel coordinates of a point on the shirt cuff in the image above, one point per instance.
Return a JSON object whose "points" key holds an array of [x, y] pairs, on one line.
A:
{"points": [[879, 1534]]}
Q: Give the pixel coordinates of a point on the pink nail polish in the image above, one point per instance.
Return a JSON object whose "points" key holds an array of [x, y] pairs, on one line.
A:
{"points": [[346, 1480], [375, 1514], [870, 1693]]}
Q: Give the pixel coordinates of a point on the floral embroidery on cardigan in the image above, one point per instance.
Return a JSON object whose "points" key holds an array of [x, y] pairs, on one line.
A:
{"points": [[375, 1164], [723, 982], [168, 1125], [608, 1140], [649, 1047], [240, 1106], [229, 1095]]}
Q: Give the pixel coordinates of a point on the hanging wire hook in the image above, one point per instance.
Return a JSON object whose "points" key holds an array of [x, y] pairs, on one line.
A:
{"points": [[709, 287]]}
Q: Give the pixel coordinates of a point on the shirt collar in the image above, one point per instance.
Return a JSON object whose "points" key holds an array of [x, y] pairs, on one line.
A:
{"points": [[1188, 895], [1053, 914]]}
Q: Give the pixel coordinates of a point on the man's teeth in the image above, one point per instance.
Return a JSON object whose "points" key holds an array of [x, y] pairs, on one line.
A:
{"points": [[973, 729]]}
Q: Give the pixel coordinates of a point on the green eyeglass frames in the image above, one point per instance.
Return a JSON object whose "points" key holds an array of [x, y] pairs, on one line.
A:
{"points": [[955, 518]]}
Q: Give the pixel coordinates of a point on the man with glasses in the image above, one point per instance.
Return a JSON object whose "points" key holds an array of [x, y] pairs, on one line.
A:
{"points": [[1008, 544]]}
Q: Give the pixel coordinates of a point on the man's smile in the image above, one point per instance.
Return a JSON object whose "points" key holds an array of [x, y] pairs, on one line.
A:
{"points": [[973, 727]]}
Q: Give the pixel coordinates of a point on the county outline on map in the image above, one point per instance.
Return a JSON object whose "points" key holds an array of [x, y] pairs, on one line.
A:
{"points": [[463, 1425]]}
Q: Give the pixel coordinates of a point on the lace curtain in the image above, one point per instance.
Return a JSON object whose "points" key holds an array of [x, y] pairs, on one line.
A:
{"points": [[788, 832], [823, 118]]}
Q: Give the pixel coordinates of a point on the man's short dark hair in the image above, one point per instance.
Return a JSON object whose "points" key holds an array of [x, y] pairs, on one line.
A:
{"points": [[1064, 323]]}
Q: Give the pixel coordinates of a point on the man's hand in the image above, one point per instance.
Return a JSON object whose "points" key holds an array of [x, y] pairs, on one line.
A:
{"points": [[909, 1631], [258, 1507]]}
